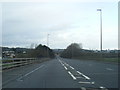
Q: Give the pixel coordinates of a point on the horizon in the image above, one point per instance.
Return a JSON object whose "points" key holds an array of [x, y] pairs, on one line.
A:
{"points": [[56, 48]]}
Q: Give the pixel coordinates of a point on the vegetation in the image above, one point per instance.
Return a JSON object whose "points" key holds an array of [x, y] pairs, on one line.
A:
{"points": [[75, 51], [39, 52]]}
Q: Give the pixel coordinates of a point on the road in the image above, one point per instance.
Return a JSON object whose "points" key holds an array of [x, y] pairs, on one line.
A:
{"points": [[63, 73]]}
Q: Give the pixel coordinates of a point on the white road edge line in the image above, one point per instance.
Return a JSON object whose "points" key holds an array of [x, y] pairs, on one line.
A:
{"points": [[72, 75], [19, 79]]}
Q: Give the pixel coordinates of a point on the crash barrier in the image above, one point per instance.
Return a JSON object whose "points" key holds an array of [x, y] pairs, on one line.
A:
{"points": [[16, 62]]}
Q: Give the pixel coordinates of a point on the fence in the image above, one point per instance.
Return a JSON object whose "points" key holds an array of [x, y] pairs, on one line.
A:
{"points": [[16, 62]]}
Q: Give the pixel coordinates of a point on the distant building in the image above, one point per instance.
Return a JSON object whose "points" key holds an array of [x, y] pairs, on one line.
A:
{"points": [[8, 54]]}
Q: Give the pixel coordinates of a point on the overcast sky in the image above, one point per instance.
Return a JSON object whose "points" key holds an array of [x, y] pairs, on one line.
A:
{"points": [[79, 22]]}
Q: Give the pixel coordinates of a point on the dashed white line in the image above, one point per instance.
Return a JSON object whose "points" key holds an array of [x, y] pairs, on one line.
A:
{"points": [[86, 76], [66, 64], [71, 67], [101, 87], [83, 75], [72, 75], [79, 72], [83, 88], [86, 82], [63, 63], [19, 79], [65, 67]]}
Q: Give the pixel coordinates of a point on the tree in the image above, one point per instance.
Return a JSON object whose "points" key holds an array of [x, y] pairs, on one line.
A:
{"points": [[72, 50], [42, 51]]}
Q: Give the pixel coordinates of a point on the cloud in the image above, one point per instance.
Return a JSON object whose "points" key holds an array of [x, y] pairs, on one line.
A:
{"points": [[26, 23], [59, 1]]}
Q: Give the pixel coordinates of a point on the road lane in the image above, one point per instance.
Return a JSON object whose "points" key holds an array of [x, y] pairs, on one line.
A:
{"points": [[64, 73], [52, 75], [104, 74]]}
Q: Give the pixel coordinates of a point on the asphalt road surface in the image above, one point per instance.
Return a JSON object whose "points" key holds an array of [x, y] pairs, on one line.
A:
{"points": [[63, 73]]}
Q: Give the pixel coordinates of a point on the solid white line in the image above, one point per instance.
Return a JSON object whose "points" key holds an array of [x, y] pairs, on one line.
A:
{"points": [[72, 75], [19, 79]]}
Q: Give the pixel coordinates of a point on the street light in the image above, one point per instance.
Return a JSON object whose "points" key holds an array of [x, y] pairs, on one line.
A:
{"points": [[100, 28]]}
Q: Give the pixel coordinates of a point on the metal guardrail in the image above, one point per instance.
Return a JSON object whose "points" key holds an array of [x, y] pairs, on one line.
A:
{"points": [[16, 62]]}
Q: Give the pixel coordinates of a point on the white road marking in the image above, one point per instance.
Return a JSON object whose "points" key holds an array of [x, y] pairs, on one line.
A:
{"points": [[19, 79], [103, 88], [79, 72], [86, 82], [71, 67], [86, 76], [72, 75], [83, 88], [65, 67], [109, 69], [66, 64], [83, 75]]}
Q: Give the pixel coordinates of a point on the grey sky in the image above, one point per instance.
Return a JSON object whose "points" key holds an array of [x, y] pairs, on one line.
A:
{"points": [[26, 23]]}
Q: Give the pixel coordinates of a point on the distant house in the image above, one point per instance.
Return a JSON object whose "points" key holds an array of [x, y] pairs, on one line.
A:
{"points": [[8, 54]]}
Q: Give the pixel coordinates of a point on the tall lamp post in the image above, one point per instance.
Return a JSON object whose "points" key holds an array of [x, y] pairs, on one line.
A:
{"points": [[100, 10]]}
